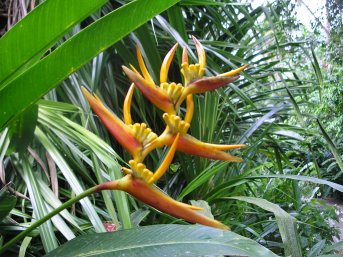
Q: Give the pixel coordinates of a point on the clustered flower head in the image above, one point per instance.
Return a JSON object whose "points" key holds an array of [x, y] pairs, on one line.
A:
{"points": [[139, 140]]}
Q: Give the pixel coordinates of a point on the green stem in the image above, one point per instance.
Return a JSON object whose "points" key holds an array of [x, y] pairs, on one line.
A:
{"points": [[47, 217]]}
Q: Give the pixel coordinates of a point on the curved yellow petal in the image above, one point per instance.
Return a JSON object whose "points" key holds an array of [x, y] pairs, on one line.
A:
{"points": [[142, 66], [201, 56], [184, 56], [166, 64], [234, 72], [189, 109], [166, 162], [127, 105]]}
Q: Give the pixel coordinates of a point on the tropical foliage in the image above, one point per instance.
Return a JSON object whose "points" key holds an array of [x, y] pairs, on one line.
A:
{"points": [[53, 148]]}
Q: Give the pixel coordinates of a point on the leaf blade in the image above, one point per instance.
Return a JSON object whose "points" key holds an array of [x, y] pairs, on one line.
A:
{"points": [[70, 56], [50, 21], [163, 240]]}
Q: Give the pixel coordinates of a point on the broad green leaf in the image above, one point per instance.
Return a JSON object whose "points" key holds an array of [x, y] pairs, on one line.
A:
{"points": [[335, 246], [163, 240], [41, 28], [330, 255], [74, 53], [22, 129], [7, 202], [286, 223]]}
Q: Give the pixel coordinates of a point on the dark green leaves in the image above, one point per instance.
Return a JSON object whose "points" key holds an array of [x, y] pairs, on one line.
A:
{"points": [[7, 202], [22, 129], [163, 240], [70, 56], [39, 30]]}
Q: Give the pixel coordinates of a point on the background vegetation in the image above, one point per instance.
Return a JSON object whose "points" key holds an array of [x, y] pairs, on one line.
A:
{"points": [[287, 107]]}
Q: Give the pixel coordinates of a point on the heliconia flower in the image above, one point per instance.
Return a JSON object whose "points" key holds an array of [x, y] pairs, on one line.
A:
{"points": [[196, 71], [139, 140], [139, 169], [205, 84], [155, 94], [169, 96], [189, 144], [133, 137], [121, 132], [154, 197]]}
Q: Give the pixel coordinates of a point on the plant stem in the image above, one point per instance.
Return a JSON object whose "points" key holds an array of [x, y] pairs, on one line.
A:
{"points": [[47, 217]]}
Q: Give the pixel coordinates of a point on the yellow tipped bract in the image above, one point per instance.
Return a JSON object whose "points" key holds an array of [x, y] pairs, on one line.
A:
{"points": [[143, 68], [166, 64], [235, 72], [166, 162], [201, 56], [127, 105], [120, 131]]}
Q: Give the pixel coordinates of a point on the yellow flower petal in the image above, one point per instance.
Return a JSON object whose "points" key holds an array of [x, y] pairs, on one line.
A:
{"points": [[142, 66], [234, 72], [166, 64], [166, 162], [201, 56], [127, 105]]}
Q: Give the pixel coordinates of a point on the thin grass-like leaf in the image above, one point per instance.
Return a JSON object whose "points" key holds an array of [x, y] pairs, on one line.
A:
{"points": [[71, 178], [332, 147], [48, 237]]}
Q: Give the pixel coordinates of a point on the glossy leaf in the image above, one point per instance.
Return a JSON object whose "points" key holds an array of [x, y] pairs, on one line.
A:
{"points": [[74, 53], [7, 202], [22, 129], [41, 28], [163, 240]]}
